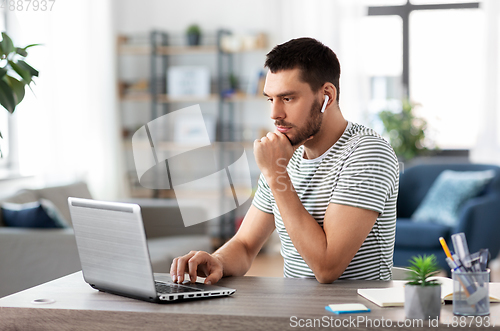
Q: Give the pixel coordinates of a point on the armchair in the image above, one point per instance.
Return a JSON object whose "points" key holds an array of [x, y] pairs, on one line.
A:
{"points": [[479, 217]]}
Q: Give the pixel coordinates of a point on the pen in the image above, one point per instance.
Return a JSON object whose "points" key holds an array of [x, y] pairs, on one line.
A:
{"points": [[484, 256], [453, 265], [466, 283], [462, 262], [461, 249]]}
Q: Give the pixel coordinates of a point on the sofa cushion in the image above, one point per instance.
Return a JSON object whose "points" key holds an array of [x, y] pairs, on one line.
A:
{"points": [[59, 196], [23, 196], [420, 235], [448, 193], [38, 214]]}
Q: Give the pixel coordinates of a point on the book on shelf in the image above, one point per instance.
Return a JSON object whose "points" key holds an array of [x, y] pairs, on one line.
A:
{"points": [[395, 296]]}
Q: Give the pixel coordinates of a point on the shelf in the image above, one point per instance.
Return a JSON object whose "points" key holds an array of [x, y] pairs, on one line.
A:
{"points": [[140, 49], [202, 49], [152, 49], [245, 97], [128, 49], [173, 146], [195, 196], [163, 98]]}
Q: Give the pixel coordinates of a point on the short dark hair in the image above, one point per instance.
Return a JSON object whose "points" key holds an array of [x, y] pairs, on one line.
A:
{"points": [[318, 64]]}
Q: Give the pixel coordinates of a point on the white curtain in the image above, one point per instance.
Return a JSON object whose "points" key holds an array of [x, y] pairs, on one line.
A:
{"points": [[68, 130], [487, 149]]}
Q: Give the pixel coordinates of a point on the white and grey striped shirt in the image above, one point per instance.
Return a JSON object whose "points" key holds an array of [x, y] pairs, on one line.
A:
{"points": [[359, 170]]}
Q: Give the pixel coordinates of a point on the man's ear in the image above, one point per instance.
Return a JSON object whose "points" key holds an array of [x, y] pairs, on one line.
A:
{"points": [[334, 94], [331, 91]]}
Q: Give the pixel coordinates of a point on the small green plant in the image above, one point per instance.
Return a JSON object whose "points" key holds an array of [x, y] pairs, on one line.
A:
{"points": [[193, 34], [422, 268], [193, 29], [233, 81], [405, 130]]}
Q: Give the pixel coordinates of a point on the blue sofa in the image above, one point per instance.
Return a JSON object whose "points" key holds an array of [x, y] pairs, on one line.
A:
{"points": [[479, 217]]}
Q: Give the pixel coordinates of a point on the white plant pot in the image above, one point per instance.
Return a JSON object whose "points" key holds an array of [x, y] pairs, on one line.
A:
{"points": [[422, 302]]}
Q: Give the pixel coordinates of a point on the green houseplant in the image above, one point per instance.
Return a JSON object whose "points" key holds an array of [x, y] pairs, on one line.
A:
{"points": [[15, 74], [422, 294], [406, 131], [193, 33]]}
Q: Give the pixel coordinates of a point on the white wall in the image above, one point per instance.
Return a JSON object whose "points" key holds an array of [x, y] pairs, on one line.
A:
{"points": [[241, 16]]}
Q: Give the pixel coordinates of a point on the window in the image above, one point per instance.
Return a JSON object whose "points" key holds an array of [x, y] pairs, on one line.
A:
{"points": [[445, 73], [382, 47], [442, 56]]}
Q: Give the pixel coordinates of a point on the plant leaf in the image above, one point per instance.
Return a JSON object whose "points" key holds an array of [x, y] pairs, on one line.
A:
{"points": [[21, 51], [7, 96], [17, 88], [27, 67], [31, 45], [3, 71], [7, 45], [25, 74], [422, 268]]}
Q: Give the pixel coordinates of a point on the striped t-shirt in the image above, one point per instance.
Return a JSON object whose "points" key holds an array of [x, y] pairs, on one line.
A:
{"points": [[359, 170]]}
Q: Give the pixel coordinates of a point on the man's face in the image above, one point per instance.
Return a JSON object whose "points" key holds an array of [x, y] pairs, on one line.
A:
{"points": [[295, 109]]}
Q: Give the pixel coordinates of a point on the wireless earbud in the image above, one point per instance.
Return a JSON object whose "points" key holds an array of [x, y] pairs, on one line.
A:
{"points": [[325, 103]]}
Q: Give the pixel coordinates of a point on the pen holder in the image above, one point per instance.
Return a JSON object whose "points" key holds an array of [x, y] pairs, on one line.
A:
{"points": [[471, 293]]}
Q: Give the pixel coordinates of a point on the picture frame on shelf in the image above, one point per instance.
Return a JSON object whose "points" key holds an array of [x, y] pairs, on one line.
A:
{"points": [[188, 81]]}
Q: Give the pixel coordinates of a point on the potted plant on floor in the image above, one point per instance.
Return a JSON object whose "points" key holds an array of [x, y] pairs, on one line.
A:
{"points": [[405, 130], [423, 295]]}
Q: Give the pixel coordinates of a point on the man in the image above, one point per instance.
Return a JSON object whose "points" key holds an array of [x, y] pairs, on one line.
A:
{"points": [[328, 186]]}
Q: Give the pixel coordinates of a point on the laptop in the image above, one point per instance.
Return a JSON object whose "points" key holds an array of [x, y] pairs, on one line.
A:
{"points": [[114, 254]]}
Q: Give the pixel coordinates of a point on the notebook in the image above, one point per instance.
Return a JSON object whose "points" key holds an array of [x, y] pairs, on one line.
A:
{"points": [[114, 254], [395, 296]]}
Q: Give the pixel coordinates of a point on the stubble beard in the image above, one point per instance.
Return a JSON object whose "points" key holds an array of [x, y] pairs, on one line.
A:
{"points": [[312, 126]]}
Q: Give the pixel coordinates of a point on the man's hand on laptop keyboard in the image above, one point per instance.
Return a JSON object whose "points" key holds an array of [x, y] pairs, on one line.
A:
{"points": [[197, 263]]}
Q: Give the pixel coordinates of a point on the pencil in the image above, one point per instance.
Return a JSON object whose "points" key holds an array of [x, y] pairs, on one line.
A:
{"points": [[445, 248]]}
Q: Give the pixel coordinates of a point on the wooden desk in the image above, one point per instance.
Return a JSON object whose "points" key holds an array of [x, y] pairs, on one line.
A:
{"points": [[258, 304]]}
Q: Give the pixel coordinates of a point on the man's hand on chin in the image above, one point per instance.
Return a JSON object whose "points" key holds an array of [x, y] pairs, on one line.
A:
{"points": [[272, 153]]}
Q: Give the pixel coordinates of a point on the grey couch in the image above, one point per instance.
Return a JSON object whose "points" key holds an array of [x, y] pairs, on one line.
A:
{"points": [[29, 257]]}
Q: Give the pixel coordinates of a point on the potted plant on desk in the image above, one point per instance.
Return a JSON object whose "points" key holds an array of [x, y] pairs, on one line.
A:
{"points": [[422, 295]]}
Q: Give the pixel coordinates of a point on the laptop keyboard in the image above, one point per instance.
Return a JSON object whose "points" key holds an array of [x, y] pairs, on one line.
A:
{"points": [[174, 288]]}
